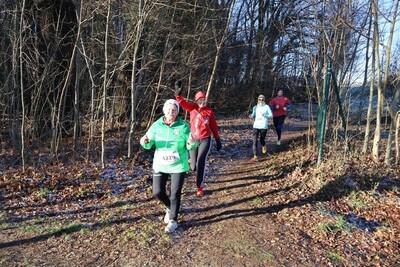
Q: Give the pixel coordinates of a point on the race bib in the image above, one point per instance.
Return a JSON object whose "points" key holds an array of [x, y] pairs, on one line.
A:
{"points": [[167, 157], [259, 116]]}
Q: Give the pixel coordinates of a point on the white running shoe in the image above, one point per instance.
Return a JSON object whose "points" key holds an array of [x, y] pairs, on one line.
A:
{"points": [[167, 215], [171, 226]]}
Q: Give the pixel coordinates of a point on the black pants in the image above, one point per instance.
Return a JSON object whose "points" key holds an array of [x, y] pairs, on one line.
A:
{"points": [[278, 123], [198, 160], [160, 191], [262, 133]]}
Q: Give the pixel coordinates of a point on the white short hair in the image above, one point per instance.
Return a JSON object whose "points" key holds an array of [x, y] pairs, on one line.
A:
{"points": [[170, 101]]}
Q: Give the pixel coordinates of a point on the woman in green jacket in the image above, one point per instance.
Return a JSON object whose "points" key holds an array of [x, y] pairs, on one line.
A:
{"points": [[172, 140]]}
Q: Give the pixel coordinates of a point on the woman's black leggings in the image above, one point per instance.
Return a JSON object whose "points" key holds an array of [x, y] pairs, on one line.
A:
{"points": [[278, 123], [263, 134], [160, 191], [198, 159]]}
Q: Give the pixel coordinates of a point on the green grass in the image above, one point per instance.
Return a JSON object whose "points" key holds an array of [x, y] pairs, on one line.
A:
{"points": [[335, 257], [269, 256], [33, 228], [43, 192], [56, 228], [340, 224], [355, 200], [5, 225], [257, 200], [144, 232], [244, 248], [325, 227]]}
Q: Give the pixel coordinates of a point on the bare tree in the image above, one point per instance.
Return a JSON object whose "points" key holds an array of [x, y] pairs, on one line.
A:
{"points": [[377, 132], [143, 12], [393, 107], [219, 45], [105, 83], [22, 85]]}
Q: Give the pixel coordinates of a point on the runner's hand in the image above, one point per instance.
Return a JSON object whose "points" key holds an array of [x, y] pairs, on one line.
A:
{"points": [[145, 139], [178, 87]]}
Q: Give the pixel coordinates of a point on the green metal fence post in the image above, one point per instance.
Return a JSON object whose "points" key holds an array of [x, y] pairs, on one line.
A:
{"points": [[341, 111], [323, 111]]}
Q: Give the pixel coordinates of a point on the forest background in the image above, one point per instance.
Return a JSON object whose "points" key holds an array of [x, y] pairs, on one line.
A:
{"points": [[82, 68]]}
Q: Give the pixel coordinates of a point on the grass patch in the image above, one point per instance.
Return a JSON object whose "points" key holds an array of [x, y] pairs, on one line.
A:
{"points": [[43, 192], [334, 257], [244, 248], [355, 200], [269, 256], [324, 227], [5, 225], [57, 229], [33, 228], [145, 232], [339, 224], [257, 200]]}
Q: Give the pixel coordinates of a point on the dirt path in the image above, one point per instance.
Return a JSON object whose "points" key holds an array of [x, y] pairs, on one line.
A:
{"points": [[236, 223], [253, 214]]}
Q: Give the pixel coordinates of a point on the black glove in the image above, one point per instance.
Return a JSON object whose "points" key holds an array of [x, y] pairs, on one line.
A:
{"points": [[219, 145], [178, 88]]}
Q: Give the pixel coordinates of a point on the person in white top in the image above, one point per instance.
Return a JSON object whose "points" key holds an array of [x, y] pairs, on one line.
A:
{"points": [[261, 113]]}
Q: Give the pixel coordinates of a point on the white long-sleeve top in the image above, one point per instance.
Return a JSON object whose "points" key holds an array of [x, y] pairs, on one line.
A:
{"points": [[261, 113]]}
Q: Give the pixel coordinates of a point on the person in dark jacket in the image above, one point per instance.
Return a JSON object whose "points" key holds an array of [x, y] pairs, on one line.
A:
{"points": [[202, 125]]}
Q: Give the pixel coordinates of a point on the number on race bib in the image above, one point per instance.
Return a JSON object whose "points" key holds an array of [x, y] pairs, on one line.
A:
{"points": [[167, 157]]}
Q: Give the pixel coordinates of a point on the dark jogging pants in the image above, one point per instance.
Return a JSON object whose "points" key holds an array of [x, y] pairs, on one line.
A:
{"points": [[173, 202], [198, 160], [258, 132], [278, 123]]}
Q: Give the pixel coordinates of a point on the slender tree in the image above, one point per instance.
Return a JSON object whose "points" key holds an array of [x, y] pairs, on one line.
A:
{"points": [[21, 79], [392, 107]]}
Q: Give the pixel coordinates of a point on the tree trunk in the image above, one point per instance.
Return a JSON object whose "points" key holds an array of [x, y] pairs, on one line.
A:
{"points": [[393, 111], [21, 79], [77, 121], [139, 30], [105, 81], [377, 133], [219, 45]]}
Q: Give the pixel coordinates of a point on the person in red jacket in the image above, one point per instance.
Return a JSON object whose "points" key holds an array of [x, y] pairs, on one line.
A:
{"points": [[202, 125], [279, 105]]}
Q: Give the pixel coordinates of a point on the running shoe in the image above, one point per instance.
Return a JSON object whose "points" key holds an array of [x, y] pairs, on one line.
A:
{"points": [[167, 216], [171, 226], [264, 149], [200, 191]]}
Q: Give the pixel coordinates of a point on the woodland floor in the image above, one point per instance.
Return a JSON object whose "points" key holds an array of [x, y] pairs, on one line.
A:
{"points": [[283, 210]]}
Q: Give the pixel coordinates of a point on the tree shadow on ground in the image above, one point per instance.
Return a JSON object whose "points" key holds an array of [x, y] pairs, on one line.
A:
{"points": [[255, 180], [48, 213], [67, 230], [224, 205], [333, 190]]}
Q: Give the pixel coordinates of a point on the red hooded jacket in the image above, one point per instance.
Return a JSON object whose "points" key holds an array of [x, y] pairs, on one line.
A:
{"points": [[202, 120]]}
